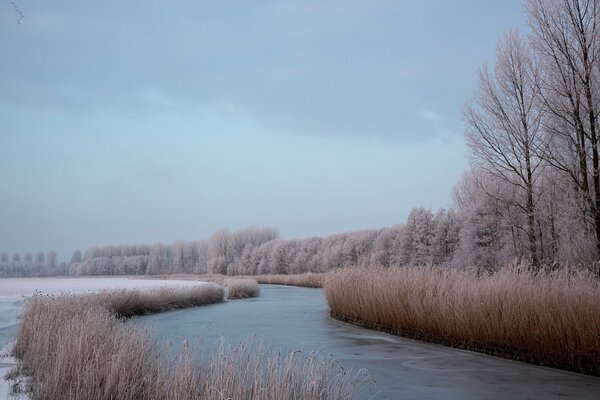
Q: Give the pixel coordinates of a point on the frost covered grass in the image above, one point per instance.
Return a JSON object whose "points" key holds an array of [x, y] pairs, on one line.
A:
{"points": [[127, 303], [311, 280], [545, 317], [238, 287], [241, 288], [304, 280], [76, 347]]}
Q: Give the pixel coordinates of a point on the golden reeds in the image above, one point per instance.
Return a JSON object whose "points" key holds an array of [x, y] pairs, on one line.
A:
{"points": [[545, 317], [75, 347]]}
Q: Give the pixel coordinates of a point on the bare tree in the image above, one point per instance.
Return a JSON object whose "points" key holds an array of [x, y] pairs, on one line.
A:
{"points": [[51, 260], [76, 257], [504, 131], [40, 257], [565, 37]]}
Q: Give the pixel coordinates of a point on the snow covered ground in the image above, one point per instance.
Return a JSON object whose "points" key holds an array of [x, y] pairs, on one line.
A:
{"points": [[15, 291]]}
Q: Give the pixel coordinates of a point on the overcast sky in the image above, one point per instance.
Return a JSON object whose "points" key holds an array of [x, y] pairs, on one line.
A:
{"points": [[142, 122]]}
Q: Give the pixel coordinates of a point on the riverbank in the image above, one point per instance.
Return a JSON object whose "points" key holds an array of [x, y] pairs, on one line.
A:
{"points": [[14, 293], [95, 356], [310, 280], [295, 318], [548, 318]]}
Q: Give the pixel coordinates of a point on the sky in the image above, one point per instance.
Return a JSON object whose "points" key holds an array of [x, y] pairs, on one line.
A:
{"points": [[155, 121]]}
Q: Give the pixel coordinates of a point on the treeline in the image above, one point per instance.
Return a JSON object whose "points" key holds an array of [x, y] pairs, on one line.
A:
{"points": [[214, 255], [29, 265], [478, 230], [425, 239], [473, 234]]}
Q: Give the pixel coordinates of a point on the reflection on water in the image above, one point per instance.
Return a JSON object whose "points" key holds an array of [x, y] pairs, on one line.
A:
{"points": [[292, 318]]}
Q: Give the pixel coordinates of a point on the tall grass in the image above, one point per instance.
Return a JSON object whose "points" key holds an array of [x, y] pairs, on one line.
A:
{"points": [[545, 317], [305, 280], [75, 347], [238, 287], [241, 288], [312, 280], [127, 303]]}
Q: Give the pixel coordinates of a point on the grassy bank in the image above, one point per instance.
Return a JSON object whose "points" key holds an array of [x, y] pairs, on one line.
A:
{"points": [[548, 318], [75, 347], [303, 280], [238, 287], [242, 288], [127, 303]]}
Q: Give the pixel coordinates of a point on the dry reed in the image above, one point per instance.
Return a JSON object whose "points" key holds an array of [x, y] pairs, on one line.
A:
{"points": [[545, 317], [311, 280], [238, 287], [127, 303], [304, 280], [74, 347], [241, 288]]}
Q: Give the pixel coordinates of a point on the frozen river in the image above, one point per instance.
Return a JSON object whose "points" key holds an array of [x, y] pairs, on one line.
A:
{"points": [[292, 318]]}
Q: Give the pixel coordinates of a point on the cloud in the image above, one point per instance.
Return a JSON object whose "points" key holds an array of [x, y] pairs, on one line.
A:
{"points": [[338, 68], [155, 98]]}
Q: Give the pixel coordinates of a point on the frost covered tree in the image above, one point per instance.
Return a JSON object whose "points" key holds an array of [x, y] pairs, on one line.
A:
{"points": [[156, 259], [51, 260], [446, 236], [76, 257], [565, 37], [504, 131], [176, 262]]}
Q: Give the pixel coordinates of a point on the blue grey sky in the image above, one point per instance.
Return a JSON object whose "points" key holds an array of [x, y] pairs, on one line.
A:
{"points": [[153, 121]]}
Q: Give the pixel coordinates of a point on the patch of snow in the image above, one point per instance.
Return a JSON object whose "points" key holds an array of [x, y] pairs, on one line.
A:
{"points": [[6, 363], [15, 291]]}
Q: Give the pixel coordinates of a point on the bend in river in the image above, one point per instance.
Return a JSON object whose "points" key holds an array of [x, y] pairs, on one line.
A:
{"points": [[292, 318]]}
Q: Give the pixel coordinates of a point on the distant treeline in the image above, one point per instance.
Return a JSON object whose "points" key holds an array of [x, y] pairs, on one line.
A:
{"points": [[41, 264], [479, 230], [475, 232]]}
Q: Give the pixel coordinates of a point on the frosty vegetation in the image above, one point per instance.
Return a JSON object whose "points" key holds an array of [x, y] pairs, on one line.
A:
{"points": [[29, 265], [96, 356], [543, 317]]}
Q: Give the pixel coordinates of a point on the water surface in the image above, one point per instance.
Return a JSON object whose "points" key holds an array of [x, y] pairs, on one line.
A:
{"points": [[291, 317]]}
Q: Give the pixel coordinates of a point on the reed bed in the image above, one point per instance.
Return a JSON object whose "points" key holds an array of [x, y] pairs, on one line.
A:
{"points": [[545, 317], [241, 288], [304, 280], [238, 287], [75, 347], [311, 280], [127, 303]]}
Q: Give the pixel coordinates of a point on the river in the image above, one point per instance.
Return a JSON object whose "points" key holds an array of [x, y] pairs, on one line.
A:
{"points": [[291, 318]]}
